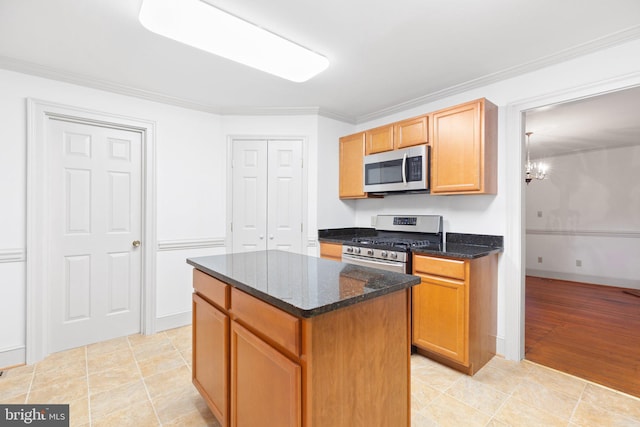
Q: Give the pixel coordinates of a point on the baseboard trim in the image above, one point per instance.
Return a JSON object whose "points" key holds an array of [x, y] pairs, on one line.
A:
{"points": [[583, 278], [500, 346], [12, 357], [172, 321]]}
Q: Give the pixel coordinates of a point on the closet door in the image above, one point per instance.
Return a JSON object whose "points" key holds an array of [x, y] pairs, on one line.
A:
{"points": [[267, 195], [284, 202], [249, 195]]}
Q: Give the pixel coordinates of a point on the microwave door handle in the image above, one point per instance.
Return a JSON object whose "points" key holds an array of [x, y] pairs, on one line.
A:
{"points": [[404, 169]]}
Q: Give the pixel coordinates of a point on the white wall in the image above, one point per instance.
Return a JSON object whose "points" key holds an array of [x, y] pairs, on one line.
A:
{"points": [[587, 209], [488, 214], [332, 212], [189, 167]]}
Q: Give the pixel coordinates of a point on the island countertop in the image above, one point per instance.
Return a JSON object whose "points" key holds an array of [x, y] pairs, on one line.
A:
{"points": [[304, 286]]}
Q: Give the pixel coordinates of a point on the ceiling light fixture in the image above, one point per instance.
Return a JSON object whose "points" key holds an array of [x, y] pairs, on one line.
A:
{"points": [[537, 170], [201, 25]]}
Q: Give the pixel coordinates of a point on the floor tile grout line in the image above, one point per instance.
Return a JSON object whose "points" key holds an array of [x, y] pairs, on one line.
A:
{"points": [[86, 366], [144, 384], [586, 381], [33, 377]]}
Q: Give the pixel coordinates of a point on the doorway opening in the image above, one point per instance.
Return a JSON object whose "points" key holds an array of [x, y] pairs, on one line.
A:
{"points": [[583, 239]]}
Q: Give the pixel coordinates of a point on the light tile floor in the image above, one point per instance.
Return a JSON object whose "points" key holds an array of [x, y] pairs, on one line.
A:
{"points": [[146, 381]]}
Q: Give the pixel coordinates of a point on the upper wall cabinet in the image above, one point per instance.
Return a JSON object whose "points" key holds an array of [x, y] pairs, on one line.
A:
{"points": [[402, 134], [464, 149], [351, 174], [411, 132], [379, 139]]}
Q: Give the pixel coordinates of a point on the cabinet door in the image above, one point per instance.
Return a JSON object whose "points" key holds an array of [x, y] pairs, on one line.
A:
{"points": [[411, 132], [439, 317], [331, 251], [379, 139], [351, 174], [210, 370], [457, 150], [265, 385]]}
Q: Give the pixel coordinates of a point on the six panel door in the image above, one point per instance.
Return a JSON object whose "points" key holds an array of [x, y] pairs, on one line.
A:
{"points": [[95, 214]]}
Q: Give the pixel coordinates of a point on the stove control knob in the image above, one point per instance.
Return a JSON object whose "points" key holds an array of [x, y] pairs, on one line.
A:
{"points": [[349, 249], [369, 251], [383, 254], [394, 255], [356, 250]]}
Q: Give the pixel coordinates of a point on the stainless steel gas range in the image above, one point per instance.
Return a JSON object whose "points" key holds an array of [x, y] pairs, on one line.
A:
{"points": [[395, 237]]}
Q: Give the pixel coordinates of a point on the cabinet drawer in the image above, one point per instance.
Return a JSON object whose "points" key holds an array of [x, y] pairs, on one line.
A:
{"points": [[331, 250], [211, 288], [439, 266], [270, 322]]}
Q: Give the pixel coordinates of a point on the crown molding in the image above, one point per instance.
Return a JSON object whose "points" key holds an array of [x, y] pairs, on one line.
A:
{"points": [[38, 70], [610, 40]]}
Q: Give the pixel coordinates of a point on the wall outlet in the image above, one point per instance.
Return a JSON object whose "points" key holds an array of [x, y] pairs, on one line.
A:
{"points": [[539, 214], [539, 260], [578, 263]]}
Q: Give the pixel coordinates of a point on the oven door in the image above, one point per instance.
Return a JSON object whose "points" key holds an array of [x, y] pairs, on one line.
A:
{"points": [[395, 266]]}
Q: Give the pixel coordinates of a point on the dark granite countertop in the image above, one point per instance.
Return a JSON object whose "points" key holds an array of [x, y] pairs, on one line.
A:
{"points": [[301, 285], [456, 245]]}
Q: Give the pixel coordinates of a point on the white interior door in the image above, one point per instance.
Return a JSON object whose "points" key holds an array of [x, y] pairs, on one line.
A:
{"points": [[95, 258], [284, 206], [249, 195], [267, 195]]}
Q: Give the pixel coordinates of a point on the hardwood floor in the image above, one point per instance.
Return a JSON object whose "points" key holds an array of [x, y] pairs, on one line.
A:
{"points": [[589, 331]]}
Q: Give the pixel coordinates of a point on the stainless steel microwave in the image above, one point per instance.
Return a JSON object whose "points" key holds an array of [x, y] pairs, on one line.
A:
{"points": [[405, 170]]}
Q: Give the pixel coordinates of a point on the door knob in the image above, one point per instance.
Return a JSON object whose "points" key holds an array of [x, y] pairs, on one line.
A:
{"points": [[135, 243], [271, 236], [261, 237]]}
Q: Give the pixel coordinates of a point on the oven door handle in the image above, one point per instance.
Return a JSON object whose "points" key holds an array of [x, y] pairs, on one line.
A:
{"points": [[404, 169], [397, 266]]}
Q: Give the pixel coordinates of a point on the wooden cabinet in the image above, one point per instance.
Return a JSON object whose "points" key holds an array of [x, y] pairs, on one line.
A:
{"points": [[210, 364], [410, 132], [379, 139], [464, 149], [454, 310], [346, 367], [266, 386], [352, 149], [331, 251], [403, 134]]}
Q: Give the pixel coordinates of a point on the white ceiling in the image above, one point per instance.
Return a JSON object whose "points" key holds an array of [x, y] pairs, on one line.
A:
{"points": [[603, 121], [384, 55]]}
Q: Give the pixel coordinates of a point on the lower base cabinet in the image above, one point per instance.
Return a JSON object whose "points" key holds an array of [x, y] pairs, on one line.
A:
{"points": [[347, 367], [454, 310], [210, 351], [265, 384]]}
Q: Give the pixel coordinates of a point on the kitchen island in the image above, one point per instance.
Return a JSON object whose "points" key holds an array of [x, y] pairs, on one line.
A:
{"points": [[285, 339]]}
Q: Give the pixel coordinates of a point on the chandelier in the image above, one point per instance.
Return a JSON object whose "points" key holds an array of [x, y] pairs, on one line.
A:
{"points": [[537, 170]]}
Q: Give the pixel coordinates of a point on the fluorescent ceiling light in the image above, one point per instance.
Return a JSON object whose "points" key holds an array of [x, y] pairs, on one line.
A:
{"points": [[205, 27]]}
